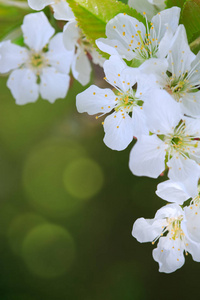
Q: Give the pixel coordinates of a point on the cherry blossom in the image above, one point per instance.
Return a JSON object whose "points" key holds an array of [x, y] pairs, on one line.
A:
{"points": [[130, 39], [37, 68], [174, 139], [180, 78], [127, 119], [176, 192], [169, 227]]}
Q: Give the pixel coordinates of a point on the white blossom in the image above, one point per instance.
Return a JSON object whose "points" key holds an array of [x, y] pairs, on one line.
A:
{"points": [[174, 139], [176, 192], [181, 78], [130, 39], [169, 227], [61, 8], [127, 119], [37, 68], [75, 41]]}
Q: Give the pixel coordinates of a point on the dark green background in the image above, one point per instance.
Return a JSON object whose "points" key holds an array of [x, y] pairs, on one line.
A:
{"points": [[67, 206]]}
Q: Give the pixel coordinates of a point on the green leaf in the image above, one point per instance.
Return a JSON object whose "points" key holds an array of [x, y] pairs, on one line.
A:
{"points": [[171, 3], [195, 45], [190, 18], [11, 18], [93, 15]]}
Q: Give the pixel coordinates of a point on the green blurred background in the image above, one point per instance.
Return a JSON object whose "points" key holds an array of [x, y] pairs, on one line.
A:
{"points": [[67, 206]]}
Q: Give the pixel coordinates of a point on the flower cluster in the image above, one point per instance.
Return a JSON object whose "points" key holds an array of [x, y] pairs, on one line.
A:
{"points": [[158, 103], [42, 65], [154, 98]]}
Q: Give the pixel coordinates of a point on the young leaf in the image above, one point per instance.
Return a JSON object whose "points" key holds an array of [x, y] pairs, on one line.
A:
{"points": [[171, 3], [11, 19], [195, 45], [190, 18]]}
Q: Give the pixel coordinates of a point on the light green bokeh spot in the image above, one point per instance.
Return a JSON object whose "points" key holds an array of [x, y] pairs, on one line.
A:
{"points": [[83, 178], [43, 177], [48, 251]]}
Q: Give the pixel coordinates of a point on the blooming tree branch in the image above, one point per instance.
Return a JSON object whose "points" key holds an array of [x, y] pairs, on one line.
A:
{"points": [[154, 96]]}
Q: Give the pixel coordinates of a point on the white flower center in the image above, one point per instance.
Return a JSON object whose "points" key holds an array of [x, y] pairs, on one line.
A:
{"points": [[126, 101], [180, 142], [173, 229], [37, 61], [146, 47], [178, 86]]}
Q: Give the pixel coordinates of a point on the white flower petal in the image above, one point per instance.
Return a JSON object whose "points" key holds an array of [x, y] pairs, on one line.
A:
{"points": [[183, 189], [168, 17], [147, 230], [165, 42], [81, 67], [169, 260], [118, 130], [162, 112], [180, 56], [37, 30], [97, 58], [139, 122], [169, 211], [147, 157], [39, 4], [53, 84], [172, 191], [192, 215], [62, 11], [118, 74], [146, 84], [71, 34], [182, 168], [156, 66], [58, 56], [192, 127], [23, 86], [114, 47], [193, 248], [195, 67], [95, 100], [11, 56], [191, 104]]}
